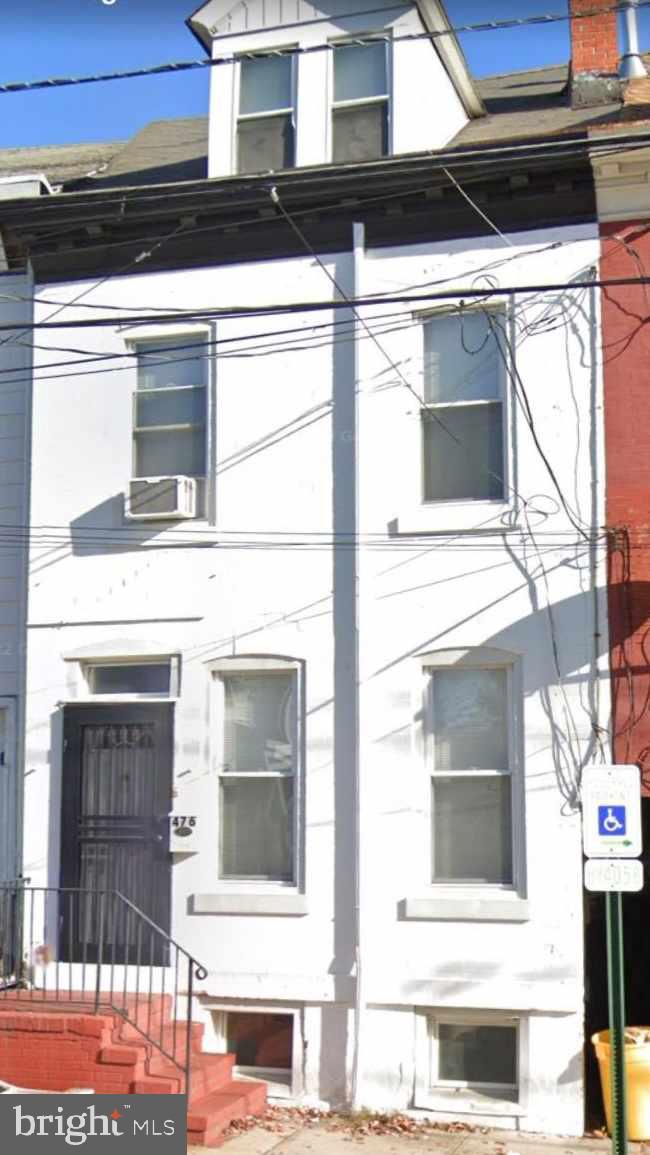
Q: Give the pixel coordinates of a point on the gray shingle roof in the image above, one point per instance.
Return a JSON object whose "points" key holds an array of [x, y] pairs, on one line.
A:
{"points": [[530, 104], [61, 163]]}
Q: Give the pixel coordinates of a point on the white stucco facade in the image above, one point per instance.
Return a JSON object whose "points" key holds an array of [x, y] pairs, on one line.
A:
{"points": [[316, 550]]}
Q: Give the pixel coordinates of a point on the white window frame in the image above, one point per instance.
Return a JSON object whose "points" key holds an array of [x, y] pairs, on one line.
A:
{"points": [[462, 515], [386, 99], [477, 658], [290, 111], [434, 1093], [254, 664], [172, 660], [275, 1090]]}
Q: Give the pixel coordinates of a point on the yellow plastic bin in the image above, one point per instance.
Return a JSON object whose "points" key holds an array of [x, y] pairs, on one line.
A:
{"points": [[637, 1069]]}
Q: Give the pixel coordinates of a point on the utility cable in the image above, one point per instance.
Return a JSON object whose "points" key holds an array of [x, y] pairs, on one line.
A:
{"points": [[277, 309], [179, 66]]}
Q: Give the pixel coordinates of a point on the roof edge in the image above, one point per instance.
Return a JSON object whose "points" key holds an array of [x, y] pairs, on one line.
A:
{"points": [[435, 19]]}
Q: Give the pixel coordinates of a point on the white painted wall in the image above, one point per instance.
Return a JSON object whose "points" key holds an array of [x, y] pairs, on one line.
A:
{"points": [[278, 423], [15, 388], [426, 112]]}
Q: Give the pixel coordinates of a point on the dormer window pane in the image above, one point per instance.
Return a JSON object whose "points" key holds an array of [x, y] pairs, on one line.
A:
{"points": [[265, 126], [359, 133], [359, 71], [265, 84], [360, 110]]}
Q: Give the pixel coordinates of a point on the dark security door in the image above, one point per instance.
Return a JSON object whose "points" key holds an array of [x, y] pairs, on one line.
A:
{"points": [[117, 779]]}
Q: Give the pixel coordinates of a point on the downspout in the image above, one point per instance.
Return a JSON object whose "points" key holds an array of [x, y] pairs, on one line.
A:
{"points": [[631, 66], [358, 246]]}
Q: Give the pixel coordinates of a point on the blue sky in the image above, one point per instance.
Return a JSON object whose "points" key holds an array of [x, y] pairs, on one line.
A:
{"points": [[42, 38]]}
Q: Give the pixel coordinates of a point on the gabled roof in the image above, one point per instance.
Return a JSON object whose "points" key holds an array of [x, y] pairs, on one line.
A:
{"points": [[205, 23]]}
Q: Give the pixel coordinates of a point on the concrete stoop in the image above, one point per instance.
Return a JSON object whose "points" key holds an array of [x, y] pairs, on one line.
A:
{"points": [[55, 1044]]}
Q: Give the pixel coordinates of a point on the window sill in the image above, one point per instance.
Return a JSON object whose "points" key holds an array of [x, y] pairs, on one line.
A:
{"points": [[468, 1102], [481, 517], [464, 909], [293, 905]]}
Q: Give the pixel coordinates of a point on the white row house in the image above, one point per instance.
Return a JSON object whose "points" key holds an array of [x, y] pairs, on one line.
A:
{"points": [[314, 645]]}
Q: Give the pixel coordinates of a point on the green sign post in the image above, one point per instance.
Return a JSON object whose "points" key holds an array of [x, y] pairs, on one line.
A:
{"points": [[611, 834], [616, 997]]}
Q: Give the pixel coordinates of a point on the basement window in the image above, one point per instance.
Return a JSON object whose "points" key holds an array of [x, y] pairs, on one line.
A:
{"points": [[262, 1043], [470, 1062]]}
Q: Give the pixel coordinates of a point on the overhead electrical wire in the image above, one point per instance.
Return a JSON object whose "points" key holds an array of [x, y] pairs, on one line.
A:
{"points": [[179, 66], [460, 293]]}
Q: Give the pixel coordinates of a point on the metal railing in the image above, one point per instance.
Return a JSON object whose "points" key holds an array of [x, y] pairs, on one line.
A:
{"points": [[98, 951]]}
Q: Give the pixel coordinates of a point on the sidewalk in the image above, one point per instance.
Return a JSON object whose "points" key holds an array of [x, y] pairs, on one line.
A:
{"points": [[320, 1140]]}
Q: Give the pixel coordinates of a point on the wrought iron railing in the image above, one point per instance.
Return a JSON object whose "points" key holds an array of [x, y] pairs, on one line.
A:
{"points": [[97, 950]]}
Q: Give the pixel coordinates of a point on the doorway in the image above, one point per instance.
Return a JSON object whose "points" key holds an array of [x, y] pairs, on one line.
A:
{"points": [[116, 798]]}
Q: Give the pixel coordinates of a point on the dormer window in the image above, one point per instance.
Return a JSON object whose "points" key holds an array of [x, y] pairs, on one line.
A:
{"points": [[265, 124], [360, 108]]}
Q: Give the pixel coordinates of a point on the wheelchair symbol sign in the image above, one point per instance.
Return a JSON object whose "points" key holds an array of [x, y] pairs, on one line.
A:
{"points": [[612, 821]]}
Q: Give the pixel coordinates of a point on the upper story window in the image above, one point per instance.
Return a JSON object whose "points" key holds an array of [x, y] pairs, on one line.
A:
{"points": [[265, 124], [170, 408], [463, 418], [360, 110]]}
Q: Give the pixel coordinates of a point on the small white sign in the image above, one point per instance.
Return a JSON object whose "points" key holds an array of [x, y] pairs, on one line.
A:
{"points": [[183, 829], [611, 811], [613, 874]]}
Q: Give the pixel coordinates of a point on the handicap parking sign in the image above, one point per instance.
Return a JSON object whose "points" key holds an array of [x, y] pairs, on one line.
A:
{"points": [[611, 811], [612, 821]]}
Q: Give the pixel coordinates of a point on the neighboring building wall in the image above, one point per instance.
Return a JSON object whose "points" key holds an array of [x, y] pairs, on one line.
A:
{"points": [[259, 577], [15, 396], [626, 342]]}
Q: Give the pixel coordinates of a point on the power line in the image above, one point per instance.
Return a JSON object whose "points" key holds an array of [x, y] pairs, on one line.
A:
{"points": [[179, 66], [233, 311]]}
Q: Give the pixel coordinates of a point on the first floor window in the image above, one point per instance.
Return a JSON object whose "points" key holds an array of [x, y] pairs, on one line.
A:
{"points": [[463, 417], [470, 757], [473, 1057], [258, 775]]}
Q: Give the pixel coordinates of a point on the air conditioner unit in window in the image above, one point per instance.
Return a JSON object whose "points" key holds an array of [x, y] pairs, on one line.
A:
{"points": [[161, 498]]}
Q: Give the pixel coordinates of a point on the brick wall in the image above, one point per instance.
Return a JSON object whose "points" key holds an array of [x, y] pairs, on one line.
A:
{"points": [[626, 367], [594, 40]]}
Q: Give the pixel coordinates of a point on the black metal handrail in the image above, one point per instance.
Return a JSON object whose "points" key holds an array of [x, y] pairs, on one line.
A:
{"points": [[97, 948]]}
